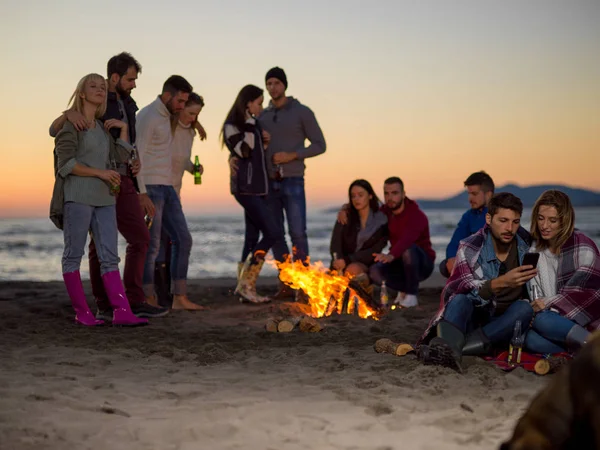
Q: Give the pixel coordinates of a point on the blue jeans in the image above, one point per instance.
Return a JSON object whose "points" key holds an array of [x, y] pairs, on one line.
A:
{"points": [[288, 195], [405, 273], [548, 333], [169, 216], [498, 329], [256, 209], [79, 219]]}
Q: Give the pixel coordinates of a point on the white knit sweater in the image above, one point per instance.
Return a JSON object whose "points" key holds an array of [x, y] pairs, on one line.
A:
{"points": [[181, 151], [153, 143]]}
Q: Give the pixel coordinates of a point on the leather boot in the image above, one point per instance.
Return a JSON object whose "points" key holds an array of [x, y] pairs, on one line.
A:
{"points": [[576, 338], [122, 314], [248, 284], [83, 315], [162, 285], [446, 348], [477, 344]]}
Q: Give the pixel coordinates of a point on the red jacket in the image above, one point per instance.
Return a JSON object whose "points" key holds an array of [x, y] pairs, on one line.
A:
{"points": [[407, 228]]}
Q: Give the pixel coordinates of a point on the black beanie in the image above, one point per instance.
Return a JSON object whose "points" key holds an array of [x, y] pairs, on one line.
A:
{"points": [[277, 72]]}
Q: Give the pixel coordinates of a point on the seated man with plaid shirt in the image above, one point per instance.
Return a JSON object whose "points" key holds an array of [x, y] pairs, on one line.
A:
{"points": [[486, 293]]}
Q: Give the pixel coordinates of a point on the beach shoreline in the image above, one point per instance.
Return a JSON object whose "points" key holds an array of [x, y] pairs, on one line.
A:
{"points": [[217, 380]]}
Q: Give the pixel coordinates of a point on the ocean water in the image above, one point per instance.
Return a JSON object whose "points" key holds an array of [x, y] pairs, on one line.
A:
{"points": [[31, 249]]}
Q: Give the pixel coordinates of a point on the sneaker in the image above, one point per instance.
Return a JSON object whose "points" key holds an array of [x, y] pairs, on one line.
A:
{"points": [[104, 314], [409, 301], [148, 311]]}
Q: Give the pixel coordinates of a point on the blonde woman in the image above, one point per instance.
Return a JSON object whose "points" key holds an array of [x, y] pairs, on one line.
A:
{"points": [[184, 126], [84, 198], [568, 279]]}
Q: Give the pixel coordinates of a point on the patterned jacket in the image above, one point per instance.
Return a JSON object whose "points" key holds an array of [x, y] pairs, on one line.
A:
{"points": [[476, 263], [578, 282]]}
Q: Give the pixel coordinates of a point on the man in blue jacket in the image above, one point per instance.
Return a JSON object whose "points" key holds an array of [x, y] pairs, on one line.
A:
{"points": [[480, 189]]}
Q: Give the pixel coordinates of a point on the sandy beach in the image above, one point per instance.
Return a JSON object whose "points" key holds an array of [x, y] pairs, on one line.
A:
{"points": [[217, 380]]}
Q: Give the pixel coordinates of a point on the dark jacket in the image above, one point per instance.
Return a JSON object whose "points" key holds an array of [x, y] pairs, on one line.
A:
{"points": [[344, 241], [246, 145], [113, 112]]}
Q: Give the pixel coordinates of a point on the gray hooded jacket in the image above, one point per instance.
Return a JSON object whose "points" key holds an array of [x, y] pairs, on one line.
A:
{"points": [[289, 127]]}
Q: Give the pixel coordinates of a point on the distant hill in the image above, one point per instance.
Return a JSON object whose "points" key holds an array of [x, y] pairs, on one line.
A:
{"points": [[528, 194]]}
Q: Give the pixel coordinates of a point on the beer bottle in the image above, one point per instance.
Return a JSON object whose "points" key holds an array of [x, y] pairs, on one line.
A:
{"points": [[516, 345], [197, 175], [383, 295]]}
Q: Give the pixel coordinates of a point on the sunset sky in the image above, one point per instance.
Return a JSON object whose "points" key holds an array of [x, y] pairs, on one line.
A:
{"points": [[426, 90]]}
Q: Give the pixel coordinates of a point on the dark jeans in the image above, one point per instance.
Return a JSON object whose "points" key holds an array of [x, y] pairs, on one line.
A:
{"points": [[256, 208], [404, 274], [460, 312], [548, 333], [131, 225], [288, 195], [444, 269], [251, 236], [170, 216]]}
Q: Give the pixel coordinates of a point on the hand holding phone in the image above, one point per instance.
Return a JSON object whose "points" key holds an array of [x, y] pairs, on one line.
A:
{"points": [[531, 259]]}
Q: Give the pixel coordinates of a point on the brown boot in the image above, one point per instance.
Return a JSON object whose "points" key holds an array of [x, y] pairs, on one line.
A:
{"points": [[240, 266], [284, 292], [247, 289]]}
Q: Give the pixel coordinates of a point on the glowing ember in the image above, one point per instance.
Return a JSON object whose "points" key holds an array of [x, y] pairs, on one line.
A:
{"points": [[325, 289]]}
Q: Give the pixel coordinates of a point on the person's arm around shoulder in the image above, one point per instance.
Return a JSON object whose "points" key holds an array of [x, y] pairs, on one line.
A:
{"points": [[77, 119]]}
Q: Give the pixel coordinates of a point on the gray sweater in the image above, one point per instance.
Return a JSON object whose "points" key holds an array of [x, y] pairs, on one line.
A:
{"points": [[289, 127], [92, 148]]}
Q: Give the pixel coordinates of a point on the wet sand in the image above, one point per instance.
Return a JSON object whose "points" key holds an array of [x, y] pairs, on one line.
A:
{"points": [[217, 380]]}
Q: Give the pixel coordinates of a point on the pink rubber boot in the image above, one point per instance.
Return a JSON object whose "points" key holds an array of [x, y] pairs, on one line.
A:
{"points": [[83, 315], [122, 314]]}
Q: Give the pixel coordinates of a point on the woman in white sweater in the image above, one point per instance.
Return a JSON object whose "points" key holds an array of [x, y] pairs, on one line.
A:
{"points": [[184, 126]]}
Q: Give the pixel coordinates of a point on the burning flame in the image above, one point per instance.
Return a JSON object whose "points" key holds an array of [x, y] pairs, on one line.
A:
{"points": [[325, 289]]}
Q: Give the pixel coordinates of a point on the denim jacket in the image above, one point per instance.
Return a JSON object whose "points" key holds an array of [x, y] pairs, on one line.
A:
{"points": [[489, 266]]}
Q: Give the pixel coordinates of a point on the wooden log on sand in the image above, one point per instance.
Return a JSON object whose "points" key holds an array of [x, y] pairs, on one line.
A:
{"points": [[549, 365], [309, 325], [287, 325], [393, 348], [271, 326]]}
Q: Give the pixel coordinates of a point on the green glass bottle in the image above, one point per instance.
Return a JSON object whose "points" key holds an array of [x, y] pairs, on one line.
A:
{"points": [[197, 175]]}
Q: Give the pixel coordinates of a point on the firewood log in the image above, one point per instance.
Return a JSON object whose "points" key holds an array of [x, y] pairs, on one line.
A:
{"points": [[309, 325], [549, 365], [271, 326], [387, 346], [287, 325]]}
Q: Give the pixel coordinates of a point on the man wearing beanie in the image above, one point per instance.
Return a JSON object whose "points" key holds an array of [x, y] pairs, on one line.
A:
{"points": [[290, 124]]}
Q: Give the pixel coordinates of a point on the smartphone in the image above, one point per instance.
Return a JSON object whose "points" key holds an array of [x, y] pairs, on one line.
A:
{"points": [[531, 259]]}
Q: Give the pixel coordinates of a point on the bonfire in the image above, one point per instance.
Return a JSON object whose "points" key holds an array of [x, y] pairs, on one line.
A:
{"points": [[328, 291]]}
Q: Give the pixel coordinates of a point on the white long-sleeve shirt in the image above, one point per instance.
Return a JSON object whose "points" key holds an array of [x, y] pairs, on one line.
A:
{"points": [[153, 142], [181, 151]]}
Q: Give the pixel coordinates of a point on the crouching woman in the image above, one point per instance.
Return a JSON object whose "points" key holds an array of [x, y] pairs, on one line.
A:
{"points": [[568, 279], [364, 234]]}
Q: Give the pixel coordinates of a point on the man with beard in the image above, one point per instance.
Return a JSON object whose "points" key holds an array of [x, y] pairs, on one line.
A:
{"points": [[480, 189], [486, 294], [122, 72], [153, 143], [290, 124], [411, 256]]}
